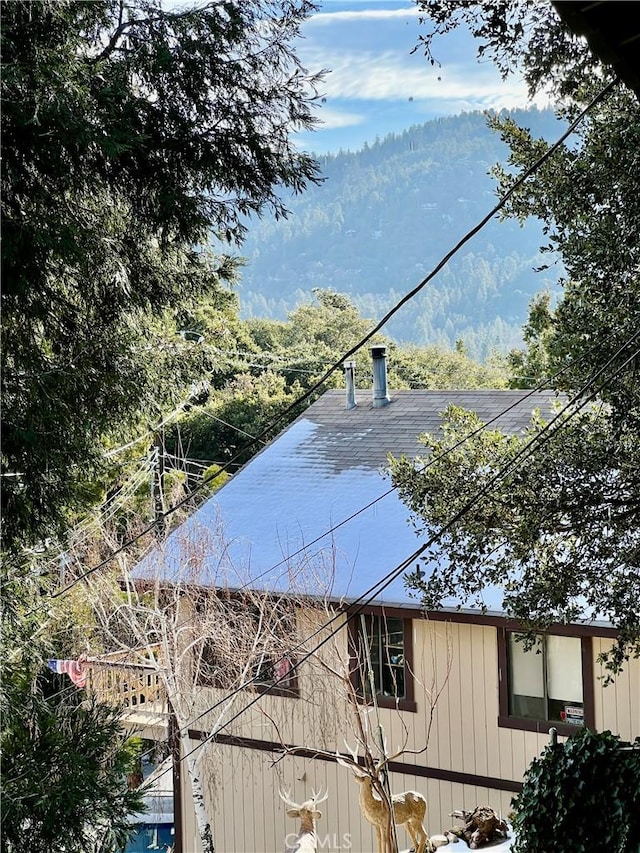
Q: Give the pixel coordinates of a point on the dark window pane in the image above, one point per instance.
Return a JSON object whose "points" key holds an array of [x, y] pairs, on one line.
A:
{"points": [[528, 707], [383, 646], [393, 681]]}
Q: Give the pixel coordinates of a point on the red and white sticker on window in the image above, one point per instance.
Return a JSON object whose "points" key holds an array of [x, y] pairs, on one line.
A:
{"points": [[572, 715]]}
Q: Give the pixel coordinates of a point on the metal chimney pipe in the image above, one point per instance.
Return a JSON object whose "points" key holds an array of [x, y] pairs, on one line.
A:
{"points": [[350, 380], [380, 393]]}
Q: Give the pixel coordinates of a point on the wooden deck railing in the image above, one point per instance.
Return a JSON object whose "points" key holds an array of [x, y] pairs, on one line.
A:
{"points": [[131, 685]]}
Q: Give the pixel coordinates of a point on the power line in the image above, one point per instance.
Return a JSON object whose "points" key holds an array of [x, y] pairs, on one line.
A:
{"points": [[580, 400], [351, 615], [281, 367], [407, 297], [399, 569], [82, 532], [431, 461], [303, 397], [180, 463], [337, 364], [271, 356], [150, 431], [231, 426], [205, 464], [108, 455]]}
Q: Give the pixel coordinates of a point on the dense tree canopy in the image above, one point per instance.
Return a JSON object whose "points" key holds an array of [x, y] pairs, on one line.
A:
{"points": [[65, 755], [560, 526], [386, 215], [64, 767], [604, 804], [282, 360], [130, 134]]}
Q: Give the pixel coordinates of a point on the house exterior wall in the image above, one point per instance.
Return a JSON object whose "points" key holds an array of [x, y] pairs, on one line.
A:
{"points": [[617, 705], [462, 757]]}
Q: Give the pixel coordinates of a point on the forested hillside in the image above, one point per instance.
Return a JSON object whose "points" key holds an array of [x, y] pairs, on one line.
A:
{"points": [[385, 215]]}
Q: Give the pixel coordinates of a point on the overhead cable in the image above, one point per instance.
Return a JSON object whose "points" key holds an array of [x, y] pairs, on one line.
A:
{"points": [[577, 403], [303, 397]]}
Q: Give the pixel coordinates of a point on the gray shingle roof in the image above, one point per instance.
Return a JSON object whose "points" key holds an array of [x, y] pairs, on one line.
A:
{"points": [[314, 512], [365, 435]]}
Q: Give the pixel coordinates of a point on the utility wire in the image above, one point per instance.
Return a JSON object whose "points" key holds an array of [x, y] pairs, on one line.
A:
{"points": [[528, 172], [114, 452], [351, 615], [400, 568], [337, 364], [544, 384], [286, 361], [231, 426], [150, 431], [281, 367], [579, 398], [548, 431], [541, 386], [181, 464], [82, 532], [407, 297], [431, 461]]}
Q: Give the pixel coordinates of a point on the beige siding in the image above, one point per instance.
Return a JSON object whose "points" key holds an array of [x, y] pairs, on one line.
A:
{"points": [[249, 816], [456, 678], [618, 704]]}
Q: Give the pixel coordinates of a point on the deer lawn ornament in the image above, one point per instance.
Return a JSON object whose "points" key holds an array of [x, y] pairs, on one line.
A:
{"points": [[409, 808], [305, 841]]}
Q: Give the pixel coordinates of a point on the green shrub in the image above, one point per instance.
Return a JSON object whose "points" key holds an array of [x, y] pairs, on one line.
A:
{"points": [[582, 795]]}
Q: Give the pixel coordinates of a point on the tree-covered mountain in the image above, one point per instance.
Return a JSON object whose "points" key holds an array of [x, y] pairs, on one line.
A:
{"points": [[385, 216]]}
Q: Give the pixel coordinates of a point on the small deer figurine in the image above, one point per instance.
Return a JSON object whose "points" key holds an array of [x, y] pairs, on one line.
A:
{"points": [[409, 808], [306, 839]]}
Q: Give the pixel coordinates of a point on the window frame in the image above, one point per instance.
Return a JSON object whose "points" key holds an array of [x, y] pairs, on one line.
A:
{"points": [[289, 689], [407, 703], [505, 720]]}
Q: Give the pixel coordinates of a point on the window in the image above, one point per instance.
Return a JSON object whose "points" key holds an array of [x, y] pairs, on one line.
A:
{"points": [[266, 672], [381, 650], [247, 643], [546, 685], [275, 669]]}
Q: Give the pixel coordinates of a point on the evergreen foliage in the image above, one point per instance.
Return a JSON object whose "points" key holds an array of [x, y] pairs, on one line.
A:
{"points": [[64, 769], [284, 359], [65, 755], [581, 794], [559, 530], [129, 133]]}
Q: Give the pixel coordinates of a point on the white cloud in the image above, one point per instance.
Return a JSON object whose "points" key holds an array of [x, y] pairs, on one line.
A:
{"points": [[333, 118], [390, 76], [377, 83], [329, 18]]}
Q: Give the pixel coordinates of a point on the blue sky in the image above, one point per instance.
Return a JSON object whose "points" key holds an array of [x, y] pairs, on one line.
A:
{"points": [[376, 85]]}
